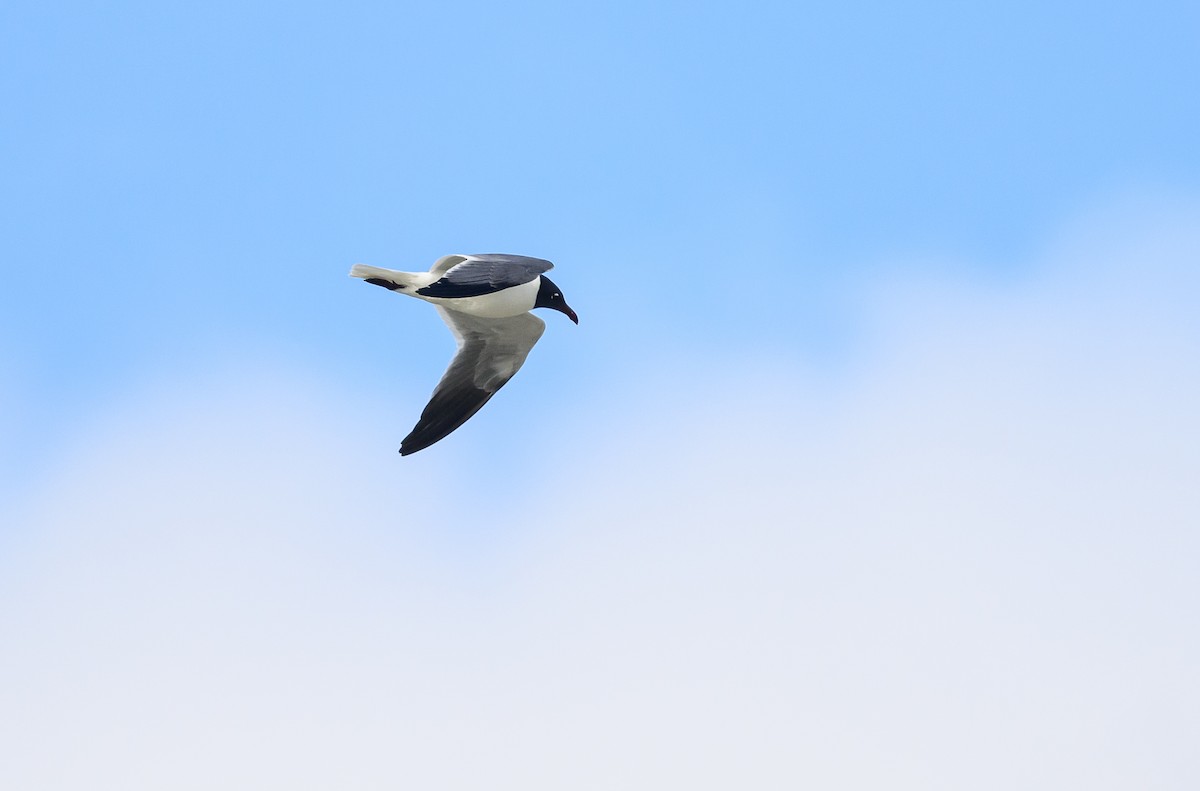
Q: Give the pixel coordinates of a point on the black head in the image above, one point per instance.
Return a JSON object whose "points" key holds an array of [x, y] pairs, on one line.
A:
{"points": [[550, 296]]}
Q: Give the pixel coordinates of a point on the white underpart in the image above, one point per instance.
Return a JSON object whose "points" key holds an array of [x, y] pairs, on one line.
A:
{"points": [[499, 304]]}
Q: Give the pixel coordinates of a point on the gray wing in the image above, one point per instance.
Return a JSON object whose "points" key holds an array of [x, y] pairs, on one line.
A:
{"points": [[490, 351], [446, 262], [485, 273]]}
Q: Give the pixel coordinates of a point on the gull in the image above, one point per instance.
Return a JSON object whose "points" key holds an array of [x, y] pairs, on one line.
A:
{"points": [[485, 300]]}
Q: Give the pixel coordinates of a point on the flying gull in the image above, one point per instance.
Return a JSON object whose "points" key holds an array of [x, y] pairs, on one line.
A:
{"points": [[485, 301]]}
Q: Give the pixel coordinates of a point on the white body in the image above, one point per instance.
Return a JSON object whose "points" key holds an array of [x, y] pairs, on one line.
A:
{"points": [[497, 305], [500, 304]]}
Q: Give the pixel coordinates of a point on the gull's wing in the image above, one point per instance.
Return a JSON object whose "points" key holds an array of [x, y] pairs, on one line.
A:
{"points": [[490, 351], [446, 262], [475, 275]]}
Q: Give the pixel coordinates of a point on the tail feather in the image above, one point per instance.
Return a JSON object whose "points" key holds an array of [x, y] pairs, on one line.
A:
{"points": [[387, 278]]}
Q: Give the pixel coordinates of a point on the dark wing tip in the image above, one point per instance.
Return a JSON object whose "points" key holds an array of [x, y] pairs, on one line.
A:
{"points": [[414, 442], [420, 438], [389, 285], [446, 411]]}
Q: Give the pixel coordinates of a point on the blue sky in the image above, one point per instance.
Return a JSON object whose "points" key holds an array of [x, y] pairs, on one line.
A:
{"points": [[194, 172], [934, 257]]}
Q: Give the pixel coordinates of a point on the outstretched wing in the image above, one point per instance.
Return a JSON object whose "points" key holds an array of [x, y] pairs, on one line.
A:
{"points": [[490, 352], [485, 273], [446, 262]]}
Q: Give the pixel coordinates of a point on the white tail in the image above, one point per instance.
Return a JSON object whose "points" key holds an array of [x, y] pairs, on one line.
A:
{"points": [[364, 271], [389, 278]]}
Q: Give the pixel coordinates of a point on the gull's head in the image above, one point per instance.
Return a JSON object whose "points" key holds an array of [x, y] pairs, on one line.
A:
{"points": [[550, 296]]}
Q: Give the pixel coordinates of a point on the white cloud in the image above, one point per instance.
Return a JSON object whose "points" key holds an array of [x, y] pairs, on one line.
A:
{"points": [[970, 564], [8, 403]]}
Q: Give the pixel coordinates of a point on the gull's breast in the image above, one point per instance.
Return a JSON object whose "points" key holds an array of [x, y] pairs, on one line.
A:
{"points": [[499, 304]]}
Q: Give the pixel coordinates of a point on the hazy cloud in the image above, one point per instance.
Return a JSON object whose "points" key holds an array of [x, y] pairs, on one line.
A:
{"points": [[968, 563]]}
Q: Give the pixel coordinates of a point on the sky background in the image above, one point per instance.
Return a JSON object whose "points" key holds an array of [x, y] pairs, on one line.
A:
{"points": [[872, 462]]}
